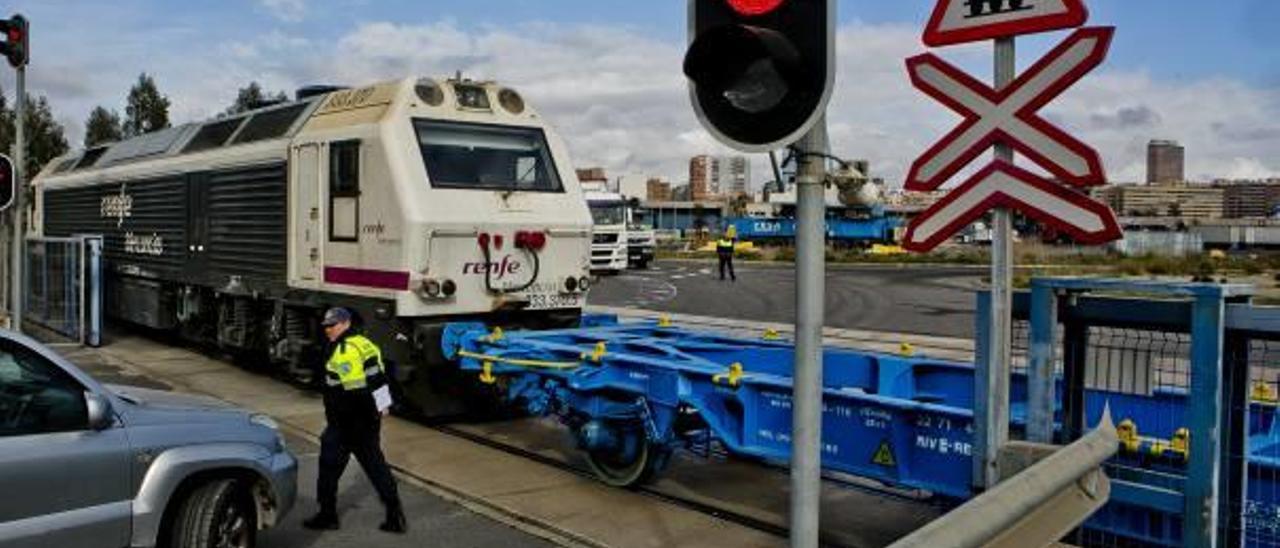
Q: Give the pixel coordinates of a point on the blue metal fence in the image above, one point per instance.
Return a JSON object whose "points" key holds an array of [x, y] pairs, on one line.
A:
{"points": [[1190, 373]]}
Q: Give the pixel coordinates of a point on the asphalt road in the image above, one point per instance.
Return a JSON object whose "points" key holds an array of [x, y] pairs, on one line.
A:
{"points": [[905, 299]]}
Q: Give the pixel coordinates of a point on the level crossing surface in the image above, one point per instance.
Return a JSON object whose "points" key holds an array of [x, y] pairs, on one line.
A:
{"points": [[930, 300]]}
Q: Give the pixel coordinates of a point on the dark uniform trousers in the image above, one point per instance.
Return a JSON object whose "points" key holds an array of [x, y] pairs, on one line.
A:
{"points": [[336, 449], [354, 371]]}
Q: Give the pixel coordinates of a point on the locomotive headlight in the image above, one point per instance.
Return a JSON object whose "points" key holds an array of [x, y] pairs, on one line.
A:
{"points": [[584, 283], [570, 284], [511, 101], [431, 288], [449, 288], [429, 91]]}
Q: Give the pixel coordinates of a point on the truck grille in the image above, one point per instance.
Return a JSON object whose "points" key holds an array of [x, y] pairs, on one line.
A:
{"points": [[604, 238]]}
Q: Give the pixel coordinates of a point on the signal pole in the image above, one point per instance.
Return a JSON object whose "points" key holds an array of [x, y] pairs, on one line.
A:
{"points": [[19, 164], [806, 399]]}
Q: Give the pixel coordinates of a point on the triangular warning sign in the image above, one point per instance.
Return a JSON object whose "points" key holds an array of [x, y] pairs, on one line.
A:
{"points": [[959, 21], [884, 455]]}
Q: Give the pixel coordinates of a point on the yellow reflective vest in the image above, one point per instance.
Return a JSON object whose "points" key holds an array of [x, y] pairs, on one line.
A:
{"points": [[350, 367], [724, 245]]}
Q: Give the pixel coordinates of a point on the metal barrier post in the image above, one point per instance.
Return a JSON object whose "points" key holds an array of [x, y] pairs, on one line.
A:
{"points": [[93, 290], [1200, 525], [1075, 352], [1234, 484], [1040, 370], [990, 402]]}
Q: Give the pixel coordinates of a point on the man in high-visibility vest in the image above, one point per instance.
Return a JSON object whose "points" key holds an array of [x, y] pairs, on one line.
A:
{"points": [[356, 397], [724, 250]]}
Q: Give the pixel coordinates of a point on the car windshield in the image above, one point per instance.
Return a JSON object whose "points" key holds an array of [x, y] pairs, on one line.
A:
{"points": [[607, 213], [486, 157]]}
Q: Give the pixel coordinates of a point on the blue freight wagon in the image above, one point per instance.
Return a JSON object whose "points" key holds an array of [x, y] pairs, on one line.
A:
{"points": [[634, 393], [867, 231]]}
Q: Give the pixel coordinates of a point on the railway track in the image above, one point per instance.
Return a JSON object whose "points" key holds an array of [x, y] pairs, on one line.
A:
{"points": [[581, 470], [513, 438]]}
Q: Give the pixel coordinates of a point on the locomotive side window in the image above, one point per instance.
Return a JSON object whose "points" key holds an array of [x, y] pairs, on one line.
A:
{"points": [[344, 191], [487, 157]]}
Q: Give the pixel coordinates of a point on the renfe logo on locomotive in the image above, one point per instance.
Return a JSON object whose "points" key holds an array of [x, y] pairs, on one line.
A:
{"points": [[152, 244], [117, 207], [499, 269]]}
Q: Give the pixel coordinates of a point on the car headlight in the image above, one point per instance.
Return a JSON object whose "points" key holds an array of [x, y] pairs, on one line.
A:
{"points": [[263, 420], [268, 422]]}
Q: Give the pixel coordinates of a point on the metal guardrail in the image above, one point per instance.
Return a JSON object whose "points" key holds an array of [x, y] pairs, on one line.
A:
{"points": [[1035, 507]]}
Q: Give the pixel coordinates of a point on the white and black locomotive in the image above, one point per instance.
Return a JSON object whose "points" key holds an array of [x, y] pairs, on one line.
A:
{"points": [[414, 202]]}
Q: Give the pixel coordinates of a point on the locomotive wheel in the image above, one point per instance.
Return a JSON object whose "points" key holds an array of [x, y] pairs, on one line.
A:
{"points": [[613, 470]]}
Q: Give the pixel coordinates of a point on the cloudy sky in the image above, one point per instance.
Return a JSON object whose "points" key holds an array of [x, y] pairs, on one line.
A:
{"points": [[607, 72]]}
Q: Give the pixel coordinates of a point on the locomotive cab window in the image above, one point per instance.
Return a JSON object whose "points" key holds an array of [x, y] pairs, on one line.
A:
{"points": [[486, 157], [344, 191]]}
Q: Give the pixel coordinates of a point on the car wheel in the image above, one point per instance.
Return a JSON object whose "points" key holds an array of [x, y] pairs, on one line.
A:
{"points": [[219, 514]]}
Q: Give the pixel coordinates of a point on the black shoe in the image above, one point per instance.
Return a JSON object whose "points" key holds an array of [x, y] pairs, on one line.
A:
{"points": [[395, 523], [322, 521]]}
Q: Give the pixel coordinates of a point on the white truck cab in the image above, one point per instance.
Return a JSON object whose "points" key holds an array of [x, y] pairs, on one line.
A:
{"points": [[609, 228]]}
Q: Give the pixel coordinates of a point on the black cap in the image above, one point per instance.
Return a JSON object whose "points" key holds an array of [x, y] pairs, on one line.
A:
{"points": [[335, 316]]}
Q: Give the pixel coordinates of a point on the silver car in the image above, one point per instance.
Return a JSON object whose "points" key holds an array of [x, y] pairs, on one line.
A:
{"points": [[87, 465]]}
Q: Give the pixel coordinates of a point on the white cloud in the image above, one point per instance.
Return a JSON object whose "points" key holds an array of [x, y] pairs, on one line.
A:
{"points": [[618, 97], [286, 10]]}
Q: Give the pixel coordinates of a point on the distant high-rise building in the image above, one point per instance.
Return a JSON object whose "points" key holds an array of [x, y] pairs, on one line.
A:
{"points": [[701, 169], [1181, 200], [1250, 199], [1166, 161], [712, 177], [594, 177], [657, 190], [737, 175]]}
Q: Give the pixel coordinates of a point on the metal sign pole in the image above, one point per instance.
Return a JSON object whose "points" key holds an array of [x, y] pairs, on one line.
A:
{"points": [[19, 163], [806, 400], [1001, 331]]}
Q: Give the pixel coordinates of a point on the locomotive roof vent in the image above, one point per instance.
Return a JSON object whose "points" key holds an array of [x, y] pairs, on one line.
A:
{"points": [[319, 89]]}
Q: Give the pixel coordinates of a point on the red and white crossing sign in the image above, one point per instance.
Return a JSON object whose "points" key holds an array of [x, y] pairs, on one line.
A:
{"points": [[1003, 185], [1010, 115], [957, 21]]}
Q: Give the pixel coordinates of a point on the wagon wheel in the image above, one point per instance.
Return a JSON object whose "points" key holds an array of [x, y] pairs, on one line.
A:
{"points": [[614, 468]]}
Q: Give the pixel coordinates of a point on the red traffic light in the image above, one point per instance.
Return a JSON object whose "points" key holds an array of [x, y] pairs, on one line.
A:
{"points": [[16, 40], [754, 7], [8, 186]]}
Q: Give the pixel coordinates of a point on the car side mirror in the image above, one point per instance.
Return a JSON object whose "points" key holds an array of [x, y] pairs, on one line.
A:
{"points": [[99, 408]]}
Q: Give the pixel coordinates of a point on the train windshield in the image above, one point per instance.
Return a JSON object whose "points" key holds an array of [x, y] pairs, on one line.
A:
{"points": [[487, 157]]}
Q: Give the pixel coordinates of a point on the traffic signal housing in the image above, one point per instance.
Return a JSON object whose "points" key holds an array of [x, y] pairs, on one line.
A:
{"points": [[760, 71], [16, 44], [8, 182]]}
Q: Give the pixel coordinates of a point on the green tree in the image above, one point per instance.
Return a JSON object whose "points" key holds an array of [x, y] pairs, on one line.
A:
{"points": [[45, 137], [146, 110], [252, 97], [103, 126]]}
